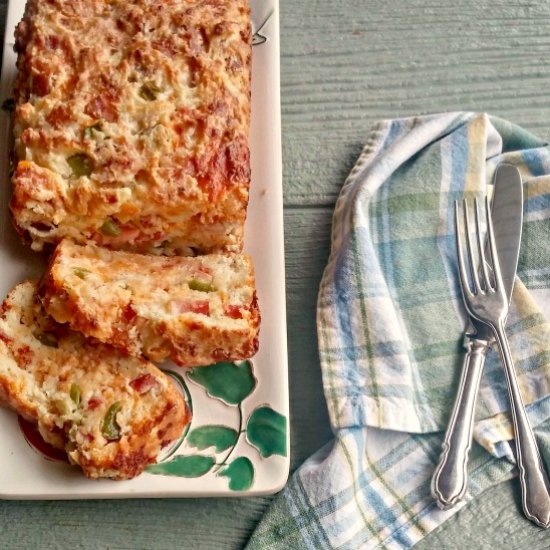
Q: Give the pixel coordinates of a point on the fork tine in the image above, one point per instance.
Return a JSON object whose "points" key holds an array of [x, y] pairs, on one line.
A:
{"points": [[473, 268], [493, 246], [486, 280], [464, 284]]}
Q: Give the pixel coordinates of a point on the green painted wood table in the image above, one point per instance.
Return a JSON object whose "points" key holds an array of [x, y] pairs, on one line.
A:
{"points": [[344, 65]]}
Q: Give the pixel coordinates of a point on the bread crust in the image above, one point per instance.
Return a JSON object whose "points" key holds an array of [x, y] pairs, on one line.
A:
{"points": [[133, 135], [69, 386], [196, 311]]}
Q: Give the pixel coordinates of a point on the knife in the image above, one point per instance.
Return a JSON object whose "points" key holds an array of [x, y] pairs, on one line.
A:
{"points": [[449, 481]]}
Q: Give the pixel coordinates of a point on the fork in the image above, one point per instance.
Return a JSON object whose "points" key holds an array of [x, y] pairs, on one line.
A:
{"points": [[486, 301]]}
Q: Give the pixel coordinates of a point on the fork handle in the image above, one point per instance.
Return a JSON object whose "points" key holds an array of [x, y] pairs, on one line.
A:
{"points": [[450, 481], [535, 486]]}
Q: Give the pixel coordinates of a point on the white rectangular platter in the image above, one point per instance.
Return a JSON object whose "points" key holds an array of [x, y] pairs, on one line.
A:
{"points": [[248, 439]]}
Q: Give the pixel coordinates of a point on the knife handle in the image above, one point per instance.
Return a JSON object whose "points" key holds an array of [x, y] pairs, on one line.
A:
{"points": [[535, 486], [449, 481]]}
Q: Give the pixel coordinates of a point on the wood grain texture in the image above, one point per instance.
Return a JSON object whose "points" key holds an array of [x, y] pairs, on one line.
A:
{"points": [[349, 63], [493, 522], [307, 247], [133, 524], [345, 64]]}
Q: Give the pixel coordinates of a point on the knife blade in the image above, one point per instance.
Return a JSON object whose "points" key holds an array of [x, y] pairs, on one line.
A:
{"points": [[507, 218], [449, 481]]}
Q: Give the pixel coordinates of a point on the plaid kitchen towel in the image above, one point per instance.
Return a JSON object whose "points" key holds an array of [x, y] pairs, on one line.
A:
{"points": [[390, 322]]}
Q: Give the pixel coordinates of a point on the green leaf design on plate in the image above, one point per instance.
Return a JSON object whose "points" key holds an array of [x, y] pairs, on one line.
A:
{"points": [[184, 466], [266, 430], [240, 474], [230, 382], [220, 437]]}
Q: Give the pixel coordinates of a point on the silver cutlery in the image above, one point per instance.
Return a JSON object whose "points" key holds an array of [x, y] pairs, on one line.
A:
{"points": [[450, 481], [486, 300]]}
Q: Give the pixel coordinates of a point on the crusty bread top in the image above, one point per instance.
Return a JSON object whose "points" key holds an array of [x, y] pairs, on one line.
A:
{"points": [[70, 387], [134, 112]]}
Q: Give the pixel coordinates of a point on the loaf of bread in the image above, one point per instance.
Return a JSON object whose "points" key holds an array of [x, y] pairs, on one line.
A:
{"points": [[196, 311], [131, 124], [111, 413]]}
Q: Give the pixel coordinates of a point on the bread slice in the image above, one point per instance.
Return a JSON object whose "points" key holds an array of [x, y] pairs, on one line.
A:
{"points": [[111, 413], [195, 310], [131, 124]]}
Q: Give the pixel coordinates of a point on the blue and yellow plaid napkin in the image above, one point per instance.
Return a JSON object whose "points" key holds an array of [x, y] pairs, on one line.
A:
{"points": [[390, 323]]}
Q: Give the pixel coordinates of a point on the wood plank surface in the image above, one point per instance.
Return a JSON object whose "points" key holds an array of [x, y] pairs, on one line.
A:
{"points": [[348, 63], [345, 64], [493, 522]]}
